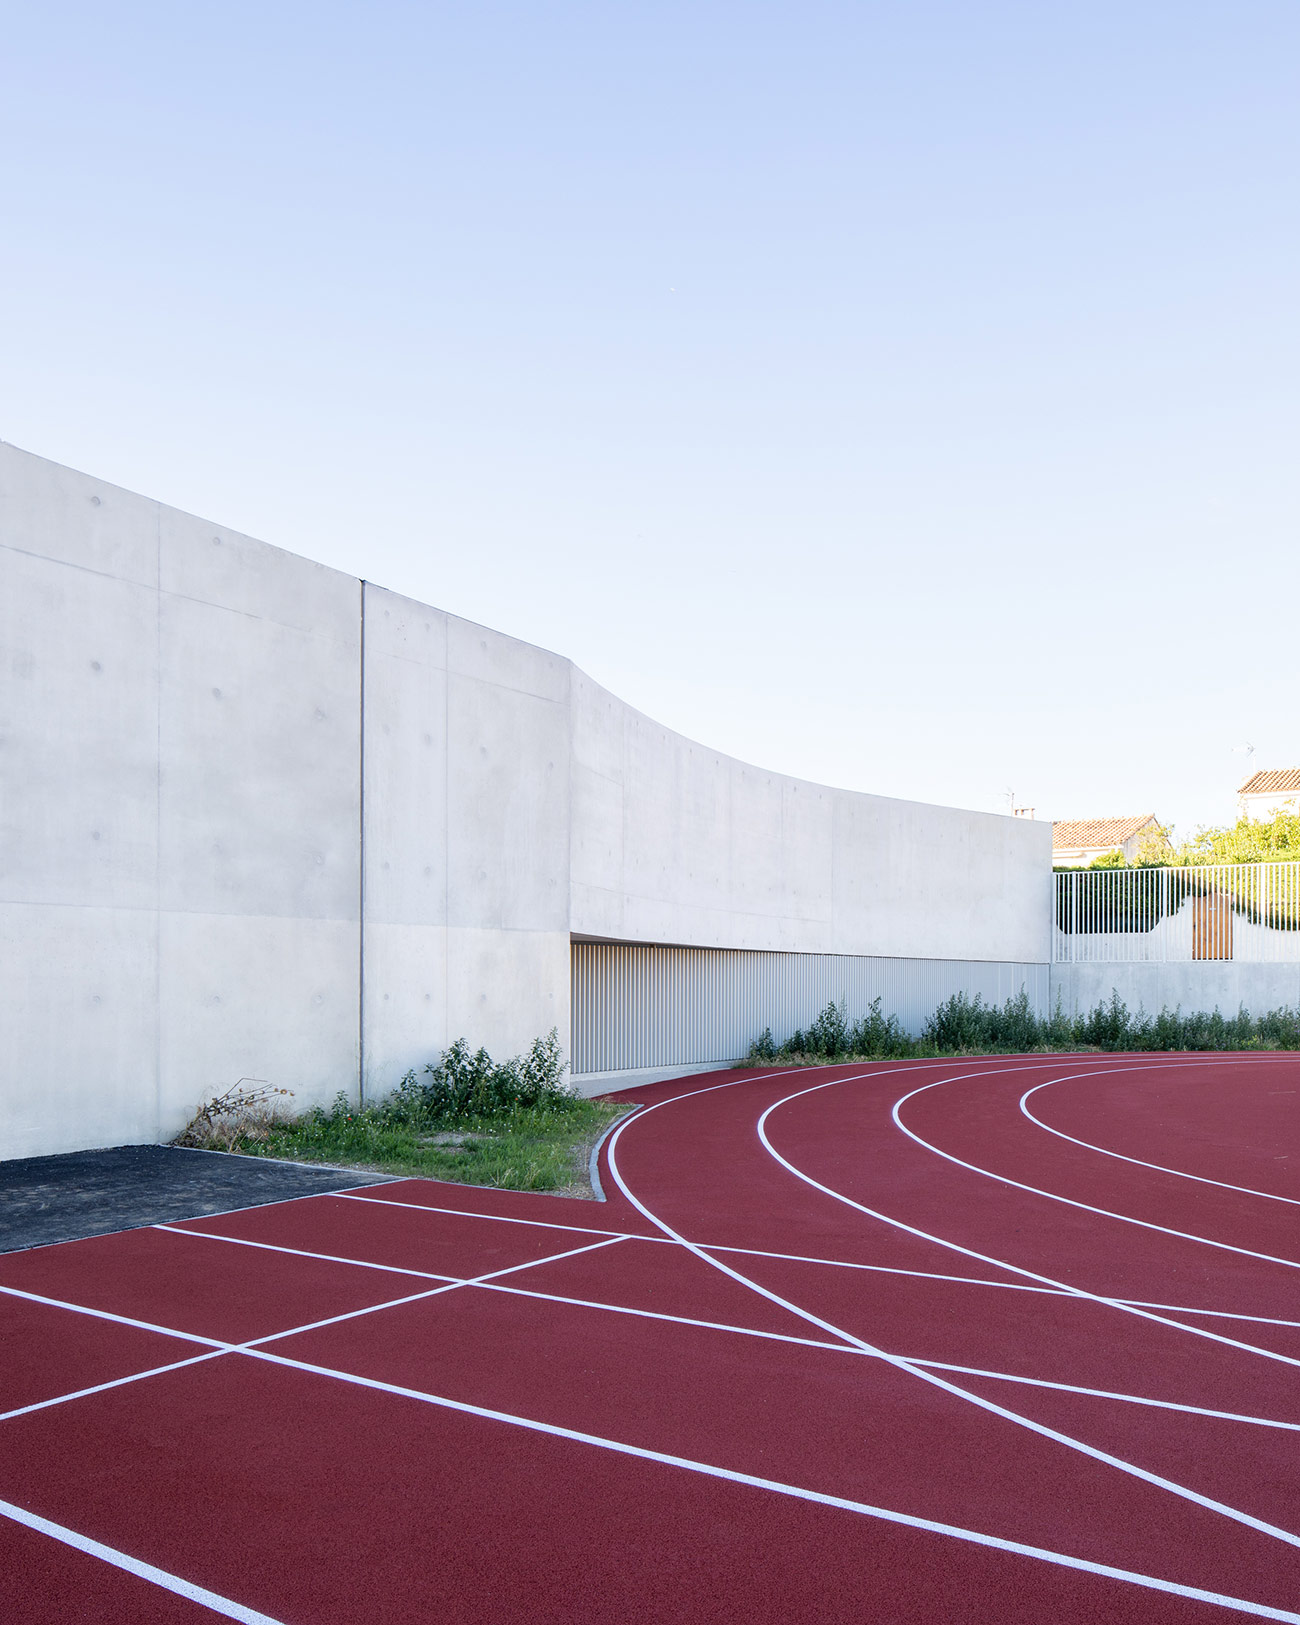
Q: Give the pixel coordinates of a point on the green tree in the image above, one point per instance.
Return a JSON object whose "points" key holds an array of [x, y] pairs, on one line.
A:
{"points": [[1249, 840]]}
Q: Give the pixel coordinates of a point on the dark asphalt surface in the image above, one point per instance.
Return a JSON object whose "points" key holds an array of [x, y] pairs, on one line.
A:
{"points": [[90, 1193]]}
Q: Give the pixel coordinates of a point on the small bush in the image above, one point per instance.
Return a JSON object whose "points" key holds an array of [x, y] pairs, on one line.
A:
{"points": [[464, 1085], [512, 1124], [965, 1025]]}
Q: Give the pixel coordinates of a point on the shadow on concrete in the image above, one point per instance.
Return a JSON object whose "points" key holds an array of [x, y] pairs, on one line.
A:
{"points": [[90, 1193]]}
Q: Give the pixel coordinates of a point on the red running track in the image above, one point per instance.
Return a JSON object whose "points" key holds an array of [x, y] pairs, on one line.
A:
{"points": [[990, 1341]]}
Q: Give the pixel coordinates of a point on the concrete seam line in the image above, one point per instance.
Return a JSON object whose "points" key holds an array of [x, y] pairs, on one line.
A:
{"points": [[134, 1565], [1182, 1491], [361, 848]]}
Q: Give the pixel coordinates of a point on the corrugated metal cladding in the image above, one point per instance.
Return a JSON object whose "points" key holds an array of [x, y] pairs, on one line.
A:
{"points": [[635, 1005]]}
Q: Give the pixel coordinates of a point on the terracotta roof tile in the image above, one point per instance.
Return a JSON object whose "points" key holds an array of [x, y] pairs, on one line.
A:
{"points": [[1103, 832], [1271, 781]]}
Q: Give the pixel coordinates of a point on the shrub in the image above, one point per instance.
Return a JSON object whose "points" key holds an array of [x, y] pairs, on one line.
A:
{"points": [[463, 1085], [964, 1025]]}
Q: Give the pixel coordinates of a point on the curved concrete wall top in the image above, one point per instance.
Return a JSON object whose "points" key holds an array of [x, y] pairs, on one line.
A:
{"points": [[676, 843], [258, 818]]}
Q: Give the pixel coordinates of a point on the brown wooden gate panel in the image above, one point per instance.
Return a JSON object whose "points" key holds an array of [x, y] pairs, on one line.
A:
{"points": [[1212, 927]]}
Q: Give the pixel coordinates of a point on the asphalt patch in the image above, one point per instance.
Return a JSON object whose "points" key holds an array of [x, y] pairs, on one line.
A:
{"points": [[91, 1193]]}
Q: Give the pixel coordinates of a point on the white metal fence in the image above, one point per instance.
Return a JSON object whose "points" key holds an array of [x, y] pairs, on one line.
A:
{"points": [[1243, 911]]}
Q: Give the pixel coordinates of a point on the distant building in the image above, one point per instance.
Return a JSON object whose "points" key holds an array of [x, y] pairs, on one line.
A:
{"points": [[1264, 793], [1078, 841]]}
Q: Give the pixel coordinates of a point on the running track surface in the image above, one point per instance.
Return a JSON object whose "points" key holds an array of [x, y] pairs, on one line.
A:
{"points": [[997, 1341]]}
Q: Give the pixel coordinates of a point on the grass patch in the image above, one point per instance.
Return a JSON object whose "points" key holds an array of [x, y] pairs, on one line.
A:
{"points": [[511, 1125]]}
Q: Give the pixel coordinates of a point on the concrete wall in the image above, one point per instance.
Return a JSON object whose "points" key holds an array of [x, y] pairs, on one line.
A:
{"points": [[1201, 984], [257, 819], [179, 814], [466, 838], [676, 843]]}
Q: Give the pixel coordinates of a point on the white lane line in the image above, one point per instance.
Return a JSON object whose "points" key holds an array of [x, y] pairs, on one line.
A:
{"points": [[496, 1218], [117, 1320], [134, 1565], [491, 1284], [618, 1235], [797, 1492], [1070, 1201], [793, 1258], [303, 1252], [1080, 1446], [1125, 1305], [487, 1284], [219, 1346], [1160, 1168], [1106, 1393], [117, 1382], [1218, 1314]]}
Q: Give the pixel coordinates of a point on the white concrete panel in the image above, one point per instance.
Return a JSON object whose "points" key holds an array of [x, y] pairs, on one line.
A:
{"points": [[269, 998], [200, 560], [260, 741], [718, 853], [78, 736], [508, 808], [1203, 984], [599, 723], [57, 513], [492, 657], [80, 1028], [597, 849], [405, 1002], [505, 988], [405, 762], [808, 856], [403, 629], [758, 874]]}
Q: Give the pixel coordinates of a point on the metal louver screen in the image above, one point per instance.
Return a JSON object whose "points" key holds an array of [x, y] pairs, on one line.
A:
{"points": [[640, 1006]]}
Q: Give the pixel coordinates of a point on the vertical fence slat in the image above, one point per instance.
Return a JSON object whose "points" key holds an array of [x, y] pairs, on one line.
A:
{"points": [[1243, 911]]}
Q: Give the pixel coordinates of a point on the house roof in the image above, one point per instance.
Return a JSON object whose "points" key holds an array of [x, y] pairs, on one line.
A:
{"points": [[1271, 781], [1104, 832]]}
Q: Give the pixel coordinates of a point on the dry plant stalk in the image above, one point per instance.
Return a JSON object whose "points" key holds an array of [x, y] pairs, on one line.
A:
{"points": [[239, 1113]]}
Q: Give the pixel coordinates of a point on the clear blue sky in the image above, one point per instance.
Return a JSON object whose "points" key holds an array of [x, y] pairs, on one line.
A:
{"points": [[904, 395]]}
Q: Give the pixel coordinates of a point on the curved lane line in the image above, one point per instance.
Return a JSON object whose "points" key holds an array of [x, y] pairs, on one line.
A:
{"points": [[1125, 1305], [1184, 1492], [1160, 1168], [1070, 1201]]}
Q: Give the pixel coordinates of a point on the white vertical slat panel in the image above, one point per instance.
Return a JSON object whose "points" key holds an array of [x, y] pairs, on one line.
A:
{"points": [[1139, 916], [641, 1006]]}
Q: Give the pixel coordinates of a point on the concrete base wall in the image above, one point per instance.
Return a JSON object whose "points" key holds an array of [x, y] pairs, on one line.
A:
{"points": [[260, 819], [1204, 984]]}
